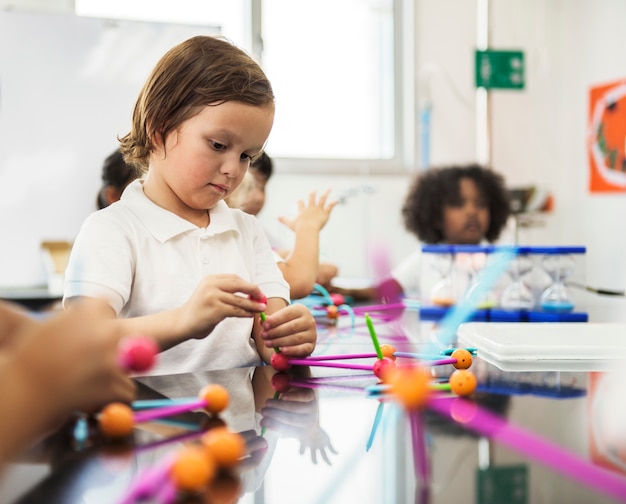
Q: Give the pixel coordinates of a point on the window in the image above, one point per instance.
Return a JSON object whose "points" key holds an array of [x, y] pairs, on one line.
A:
{"points": [[340, 70], [331, 63]]}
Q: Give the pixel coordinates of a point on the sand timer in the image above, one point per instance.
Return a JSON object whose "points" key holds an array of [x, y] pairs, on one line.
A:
{"points": [[517, 295], [442, 292], [559, 264], [472, 259]]}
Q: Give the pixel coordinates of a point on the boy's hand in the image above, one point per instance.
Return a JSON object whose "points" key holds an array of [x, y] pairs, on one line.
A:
{"points": [[292, 330], [218, 297]]}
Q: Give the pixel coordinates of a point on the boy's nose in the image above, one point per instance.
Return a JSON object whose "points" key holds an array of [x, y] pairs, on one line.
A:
{"points": [[471, 208], [231, 167]]}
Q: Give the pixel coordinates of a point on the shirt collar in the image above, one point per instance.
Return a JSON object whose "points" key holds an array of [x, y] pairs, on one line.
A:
{"points": [[165, 225]]}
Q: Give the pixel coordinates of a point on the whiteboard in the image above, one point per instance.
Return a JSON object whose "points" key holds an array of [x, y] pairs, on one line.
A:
{"points": [[67, 89]]}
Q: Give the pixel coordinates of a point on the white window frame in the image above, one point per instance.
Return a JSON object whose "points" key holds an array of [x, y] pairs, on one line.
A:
{"points": [[405, 112]]}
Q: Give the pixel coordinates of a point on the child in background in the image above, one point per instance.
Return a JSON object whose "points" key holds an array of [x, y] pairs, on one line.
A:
{"points": [[50, 368], [116, 175], [300, 265], [171, 259], [461, 205]]}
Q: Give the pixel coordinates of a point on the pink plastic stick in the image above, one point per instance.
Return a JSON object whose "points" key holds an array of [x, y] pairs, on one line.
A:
{"points": [[420, 451], [534, 447], [148, 483], [380, 307], [339, 357], [153, 414], [439, 362], [305, 362]]}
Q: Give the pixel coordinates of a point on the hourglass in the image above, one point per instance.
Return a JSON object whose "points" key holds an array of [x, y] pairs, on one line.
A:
{"points": [[442, 292], [517, 295], [472, 259], [559, 266]]}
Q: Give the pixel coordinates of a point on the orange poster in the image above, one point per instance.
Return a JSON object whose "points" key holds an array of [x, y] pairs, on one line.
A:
{"points": [[607, 135]]}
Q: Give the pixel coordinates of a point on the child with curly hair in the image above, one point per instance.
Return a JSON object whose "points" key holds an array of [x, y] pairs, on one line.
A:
{"points": [[460, 205]]}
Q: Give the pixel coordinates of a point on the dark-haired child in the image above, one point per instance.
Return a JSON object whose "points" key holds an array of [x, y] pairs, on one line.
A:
{"points": [[461, 205], [116, 175]]}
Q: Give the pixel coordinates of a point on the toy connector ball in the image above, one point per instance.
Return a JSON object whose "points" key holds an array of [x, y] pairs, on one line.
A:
{"points": [[224, 446], [216, 397], [280, 382], [138, 353], [382, 368], [332, 312], [463, 411], [279, 361], [193, 469], [410, 385], [388, 351], [463, 382], [116, 420], [463, 358], [337, 299]]}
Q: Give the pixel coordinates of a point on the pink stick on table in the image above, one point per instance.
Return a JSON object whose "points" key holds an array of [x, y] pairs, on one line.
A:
{"points": [[339, 357], [305, 362], [533, 446], [380, 307], [439, 362]]}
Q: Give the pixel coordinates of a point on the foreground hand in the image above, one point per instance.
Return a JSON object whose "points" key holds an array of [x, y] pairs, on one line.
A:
{"points": [[71, 362]]}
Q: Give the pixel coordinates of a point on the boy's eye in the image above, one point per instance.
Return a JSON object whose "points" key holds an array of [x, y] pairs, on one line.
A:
{"points": [[218, 146], [245, 157]]}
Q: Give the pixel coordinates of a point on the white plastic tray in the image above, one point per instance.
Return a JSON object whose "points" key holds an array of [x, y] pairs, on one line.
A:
{"points": [[551, 346]]}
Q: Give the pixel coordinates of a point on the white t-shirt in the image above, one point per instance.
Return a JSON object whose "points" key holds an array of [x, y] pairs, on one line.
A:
{"points": [[407, 273], [144, 259], [418, 272]]}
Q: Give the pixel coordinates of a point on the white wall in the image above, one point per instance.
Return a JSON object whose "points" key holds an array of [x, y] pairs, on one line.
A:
{"points": [[67, 89], [52, 148]]}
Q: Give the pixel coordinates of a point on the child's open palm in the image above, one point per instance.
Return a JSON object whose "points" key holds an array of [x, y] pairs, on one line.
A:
{"points": [[313, 214]]}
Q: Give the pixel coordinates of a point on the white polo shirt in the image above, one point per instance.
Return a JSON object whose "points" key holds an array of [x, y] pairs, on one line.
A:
{"points": [[144, 259]]}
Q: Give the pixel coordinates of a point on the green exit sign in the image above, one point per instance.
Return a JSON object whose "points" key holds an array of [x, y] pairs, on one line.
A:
{"points": [[500, 69]]}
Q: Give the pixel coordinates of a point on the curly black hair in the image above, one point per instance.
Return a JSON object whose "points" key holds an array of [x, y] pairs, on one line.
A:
{"points": [[431, 190]]}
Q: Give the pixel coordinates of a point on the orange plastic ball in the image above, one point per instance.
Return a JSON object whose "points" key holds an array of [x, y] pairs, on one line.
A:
{"points": [[388, 351], [410, 385], [116, 420], [463, 382], [216, 396], [193, 469], [225, 446], [332, 312], [463, 358]]}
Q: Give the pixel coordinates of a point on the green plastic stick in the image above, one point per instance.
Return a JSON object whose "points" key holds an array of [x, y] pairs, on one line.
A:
{"points": [[370, 326]]}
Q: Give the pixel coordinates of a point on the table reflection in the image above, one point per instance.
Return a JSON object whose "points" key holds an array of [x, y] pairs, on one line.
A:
{"points": [[316, 435]]}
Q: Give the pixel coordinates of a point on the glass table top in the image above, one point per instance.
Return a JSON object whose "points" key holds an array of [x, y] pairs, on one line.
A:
{"points": [[330, 436]]}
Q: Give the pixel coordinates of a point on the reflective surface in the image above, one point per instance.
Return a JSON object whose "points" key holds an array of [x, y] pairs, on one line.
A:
{"points": [[325, 439]]}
